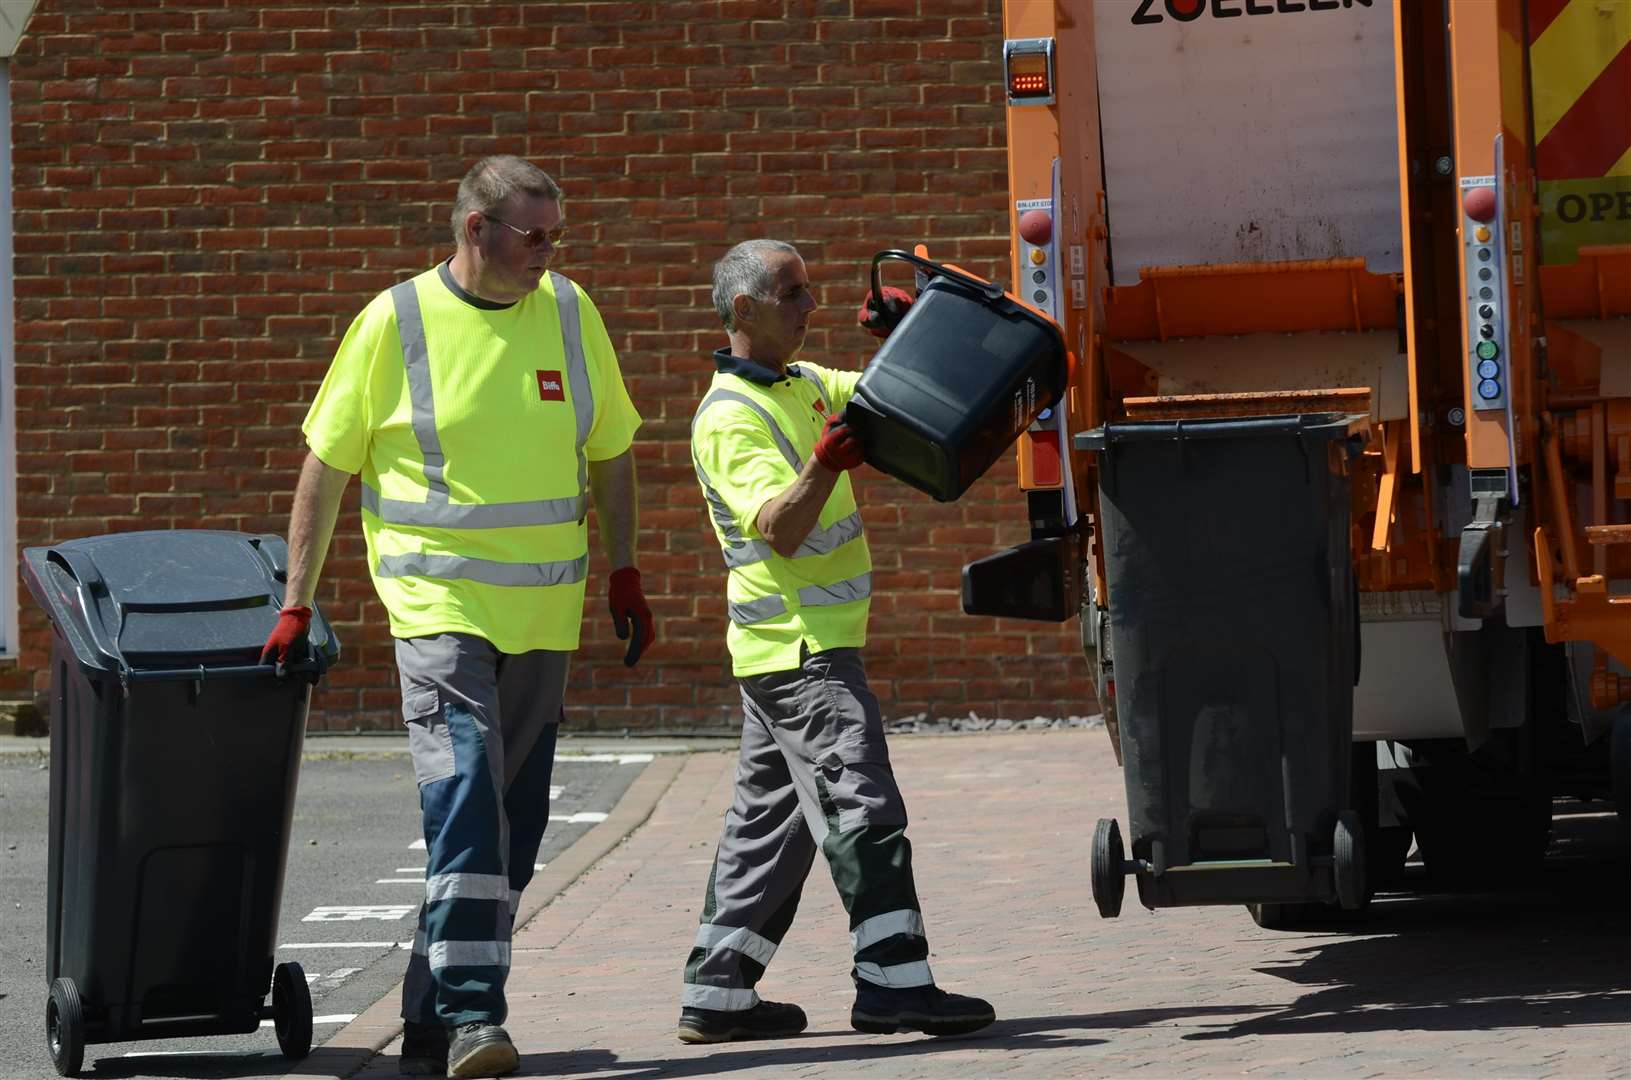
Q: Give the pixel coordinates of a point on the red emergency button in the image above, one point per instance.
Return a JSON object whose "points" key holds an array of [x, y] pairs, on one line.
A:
{"points": [[1036, 227], [1479, 202]]}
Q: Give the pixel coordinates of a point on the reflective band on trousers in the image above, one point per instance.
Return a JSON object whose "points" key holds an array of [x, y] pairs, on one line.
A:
{"points": [[915, 973], [748, 612], [467, 887], [486, 571], [740, 939], [721, 998], [436, 511], [446, 954], [887, 925]]}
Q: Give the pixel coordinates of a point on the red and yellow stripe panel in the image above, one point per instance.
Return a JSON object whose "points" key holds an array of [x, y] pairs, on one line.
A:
{"points": [[1580, 59]]}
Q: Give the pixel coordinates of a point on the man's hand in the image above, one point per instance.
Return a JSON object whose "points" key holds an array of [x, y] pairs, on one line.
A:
{"points": [[879, 318], [628, 604], [839, 448], [292, 625]]}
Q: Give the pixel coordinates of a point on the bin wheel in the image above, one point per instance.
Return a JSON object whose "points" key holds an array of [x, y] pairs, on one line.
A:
{"points": [[1348, 861], [65, 1027], [291, 1010], [1109, 881]]}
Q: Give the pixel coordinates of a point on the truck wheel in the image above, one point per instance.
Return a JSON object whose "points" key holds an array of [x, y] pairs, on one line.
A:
{"points": [[291, 1010], [1348, 861], [1109, 880], [1476, 820], [65, 1027], [1619, 749]]}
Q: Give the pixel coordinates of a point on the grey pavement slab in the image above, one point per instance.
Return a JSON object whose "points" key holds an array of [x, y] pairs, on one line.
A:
{"points": [[1529, 982]]}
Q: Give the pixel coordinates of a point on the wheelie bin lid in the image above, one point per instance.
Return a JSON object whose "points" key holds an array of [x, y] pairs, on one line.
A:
{"points": [[163, 601]]}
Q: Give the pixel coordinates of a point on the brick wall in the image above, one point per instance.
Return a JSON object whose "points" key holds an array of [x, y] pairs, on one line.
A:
{"points": [[206, 193]]}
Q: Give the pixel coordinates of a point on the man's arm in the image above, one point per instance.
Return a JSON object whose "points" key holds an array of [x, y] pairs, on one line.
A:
{"points": [[311, 526], [612, 487], [788, 518]]}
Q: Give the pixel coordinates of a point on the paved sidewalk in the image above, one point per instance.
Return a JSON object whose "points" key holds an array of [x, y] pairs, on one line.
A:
{"points": [[1531, 984]]}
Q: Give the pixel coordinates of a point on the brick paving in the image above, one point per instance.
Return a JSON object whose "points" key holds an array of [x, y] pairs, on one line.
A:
{"points": [[1527, 984]]}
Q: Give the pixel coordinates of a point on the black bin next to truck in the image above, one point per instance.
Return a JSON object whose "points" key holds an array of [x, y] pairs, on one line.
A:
{"points": [[174, 760], [1233, 624]]}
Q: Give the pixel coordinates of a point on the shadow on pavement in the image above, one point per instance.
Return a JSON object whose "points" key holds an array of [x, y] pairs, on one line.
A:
{"points": [[1550, 952], [1019, 1033]]}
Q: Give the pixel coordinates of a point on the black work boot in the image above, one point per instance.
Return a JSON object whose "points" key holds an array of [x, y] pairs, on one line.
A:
{"points": [[481, 1049], [884, 1010], [424, 1050], [766, 1020]]}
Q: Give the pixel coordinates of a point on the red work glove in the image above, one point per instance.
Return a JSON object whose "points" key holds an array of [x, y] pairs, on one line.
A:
{"points": [[839, 448], [292, 624], [878, 319], [628, 604]]}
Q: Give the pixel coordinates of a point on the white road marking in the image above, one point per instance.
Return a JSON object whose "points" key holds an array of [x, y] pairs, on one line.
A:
{"points": [[342, 973], [555, 792], [342, 945], [417, 845], [584, 817], [336, 1018], [399, 881], [607, 759], [358, 912]]}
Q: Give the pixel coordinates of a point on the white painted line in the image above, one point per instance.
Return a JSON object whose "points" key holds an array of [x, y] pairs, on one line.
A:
{"points": [[399, 881], [417, 845], [555, 792], [358, 912], [340, 945], [584, 817], [343, 973], [410, 870], [607, 759], [336, 1018]]}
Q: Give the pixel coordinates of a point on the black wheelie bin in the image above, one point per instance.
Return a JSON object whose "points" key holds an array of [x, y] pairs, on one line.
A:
{"points": [[1234, 627], [967, 370], [174, 759]]}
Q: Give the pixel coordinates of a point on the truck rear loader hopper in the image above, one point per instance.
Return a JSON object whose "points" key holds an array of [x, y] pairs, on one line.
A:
{"points": [[1405, 212]]}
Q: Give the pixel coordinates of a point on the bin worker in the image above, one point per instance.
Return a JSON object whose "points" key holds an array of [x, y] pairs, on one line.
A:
{"points": [[483, 404], [773, 456]]}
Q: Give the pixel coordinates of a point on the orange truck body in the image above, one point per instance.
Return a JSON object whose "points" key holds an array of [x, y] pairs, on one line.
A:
{"points": [[1415, 210]]}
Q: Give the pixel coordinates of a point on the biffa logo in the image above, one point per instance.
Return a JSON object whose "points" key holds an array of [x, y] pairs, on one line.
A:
{"points": [[1190, 10], [549, 386]]}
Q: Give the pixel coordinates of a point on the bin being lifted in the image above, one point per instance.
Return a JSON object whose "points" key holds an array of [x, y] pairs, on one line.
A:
{"points": [[175, 756]]}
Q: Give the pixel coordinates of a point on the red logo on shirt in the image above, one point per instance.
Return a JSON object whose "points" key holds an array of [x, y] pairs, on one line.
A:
{"points": [[820, 407], [549, 386]]}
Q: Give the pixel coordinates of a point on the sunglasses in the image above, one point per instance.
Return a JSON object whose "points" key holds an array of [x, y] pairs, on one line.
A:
{"points": [[533, 238]]}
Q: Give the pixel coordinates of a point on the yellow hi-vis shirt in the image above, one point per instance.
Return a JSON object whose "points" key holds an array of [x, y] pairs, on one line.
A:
{"points": [[472, 424], [750, 437]]}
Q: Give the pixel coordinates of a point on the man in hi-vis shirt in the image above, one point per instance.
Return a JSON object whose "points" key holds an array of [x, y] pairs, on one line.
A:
{"points": [[483, 406]]}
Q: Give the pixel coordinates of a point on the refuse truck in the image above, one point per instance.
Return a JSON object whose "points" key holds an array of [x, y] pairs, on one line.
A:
{"points": [[1387, 245]]}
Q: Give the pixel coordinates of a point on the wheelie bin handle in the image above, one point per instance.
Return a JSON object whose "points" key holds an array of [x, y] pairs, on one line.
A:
{"points": [[989, 290], [200, 673]]}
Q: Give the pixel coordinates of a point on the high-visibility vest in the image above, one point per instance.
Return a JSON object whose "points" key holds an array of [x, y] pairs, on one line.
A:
{"points": [[820, 597], [475, 484]]}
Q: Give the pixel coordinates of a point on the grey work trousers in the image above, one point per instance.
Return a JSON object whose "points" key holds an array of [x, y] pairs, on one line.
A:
{"points": [[481, 731], [814, 770]]}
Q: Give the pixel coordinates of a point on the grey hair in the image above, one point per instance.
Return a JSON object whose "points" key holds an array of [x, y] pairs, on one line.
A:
{"points": [[492, 181], [743, 272]]}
